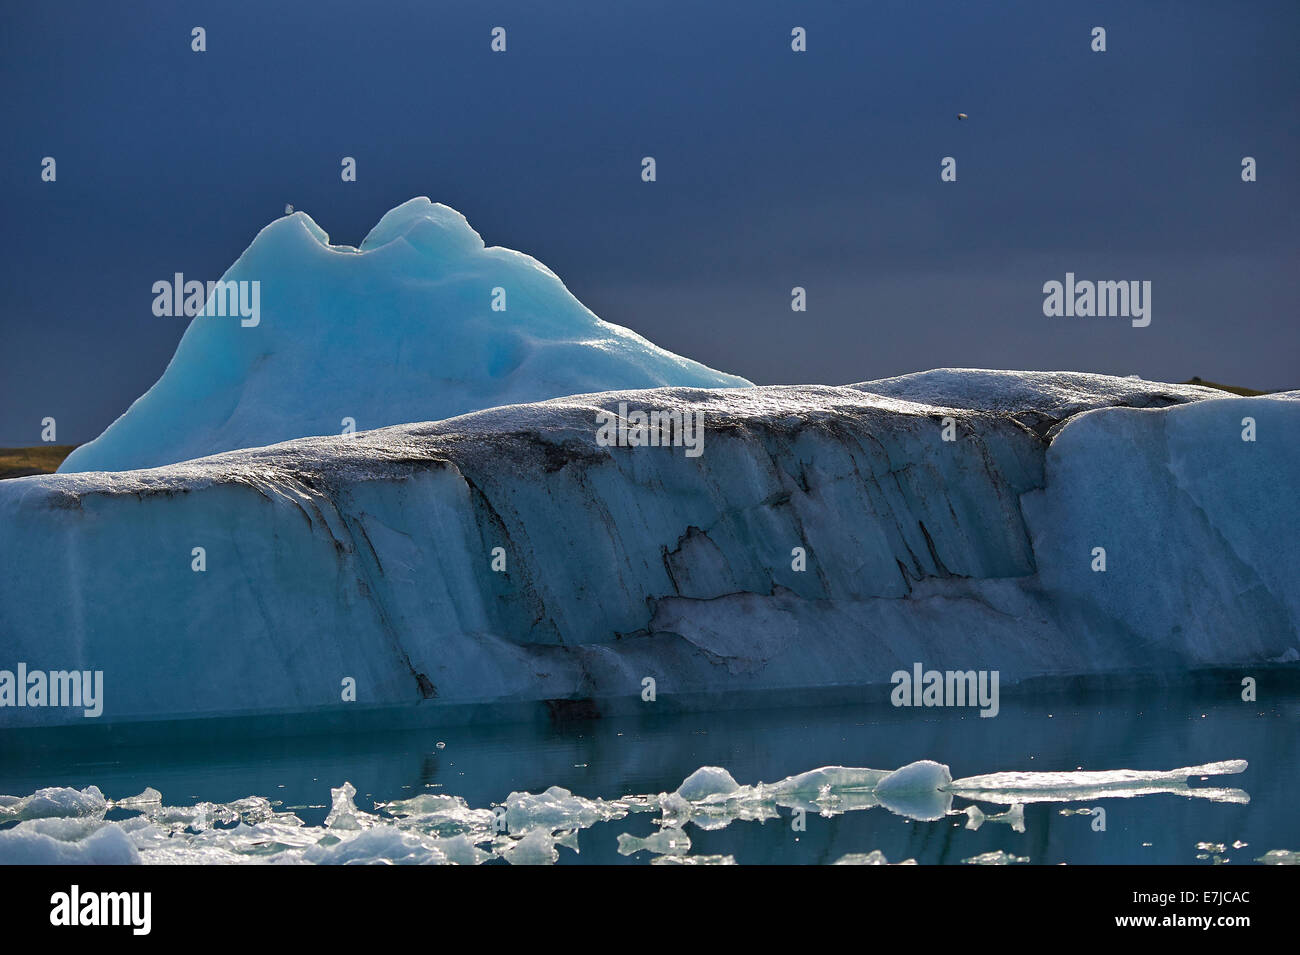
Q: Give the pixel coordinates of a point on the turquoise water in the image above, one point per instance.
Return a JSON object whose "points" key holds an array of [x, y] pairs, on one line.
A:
{"points": [[1150, 729]]}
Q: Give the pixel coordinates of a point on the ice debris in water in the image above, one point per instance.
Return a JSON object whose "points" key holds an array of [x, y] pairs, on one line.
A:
{"points": [[712, 799], [441, 814], [1280, 857], [535, 848], [54, 801], [874, 857], [921, 776], [1013, 817], [106, 845], [70, 826], [705, 782], [995, 858], [557, 808], [150, 797], [917, 790], [1115, 784], [666, 842], [344, 813], [382, 844], [693, 860]]}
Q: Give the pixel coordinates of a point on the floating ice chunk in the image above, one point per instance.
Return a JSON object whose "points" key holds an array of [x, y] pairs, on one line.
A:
{"points": [[557, 808], [995, 858], [924, 775], [460, 850], [829, 789], [445, 815], [177, 818], [535, 848], [705, 782], [917, 790], [711, 799], [829, 779], [54, 801], [752, 807], [285, 834], [874, 857], [378, 845], [344, 813], [107, 845], [676, 810], [1118, 784], [1280, 857], [147, 799], [567, 840], [693, 860], [643, 803], [63, 828], [663, 842], [250, 810], [143, 831], [423, 804], [1013, 817]]}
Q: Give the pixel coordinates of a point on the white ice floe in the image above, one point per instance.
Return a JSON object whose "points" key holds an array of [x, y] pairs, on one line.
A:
{"points": [[70, 826], [874, 857], [1114, 784], [1280, 857], [997, 857]]}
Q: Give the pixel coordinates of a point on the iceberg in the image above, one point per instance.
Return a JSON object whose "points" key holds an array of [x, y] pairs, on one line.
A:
{"points": [[421, 322], [826, 537]]}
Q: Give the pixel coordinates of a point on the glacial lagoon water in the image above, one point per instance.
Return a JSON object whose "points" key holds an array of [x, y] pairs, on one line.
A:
{"points": [[196, 805]]}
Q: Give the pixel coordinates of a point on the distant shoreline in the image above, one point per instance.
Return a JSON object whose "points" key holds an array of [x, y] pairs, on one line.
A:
{"points": [[38, 459]]}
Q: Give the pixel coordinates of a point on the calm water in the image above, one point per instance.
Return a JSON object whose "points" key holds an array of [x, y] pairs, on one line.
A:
{"points": [[612, 758]]}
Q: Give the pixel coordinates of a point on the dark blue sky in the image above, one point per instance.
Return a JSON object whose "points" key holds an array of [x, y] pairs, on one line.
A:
{"points": [[775, 169]]}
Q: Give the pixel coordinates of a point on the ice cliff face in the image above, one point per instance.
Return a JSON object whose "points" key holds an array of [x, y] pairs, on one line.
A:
{"points": [[420, 323], [372, 559]]}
